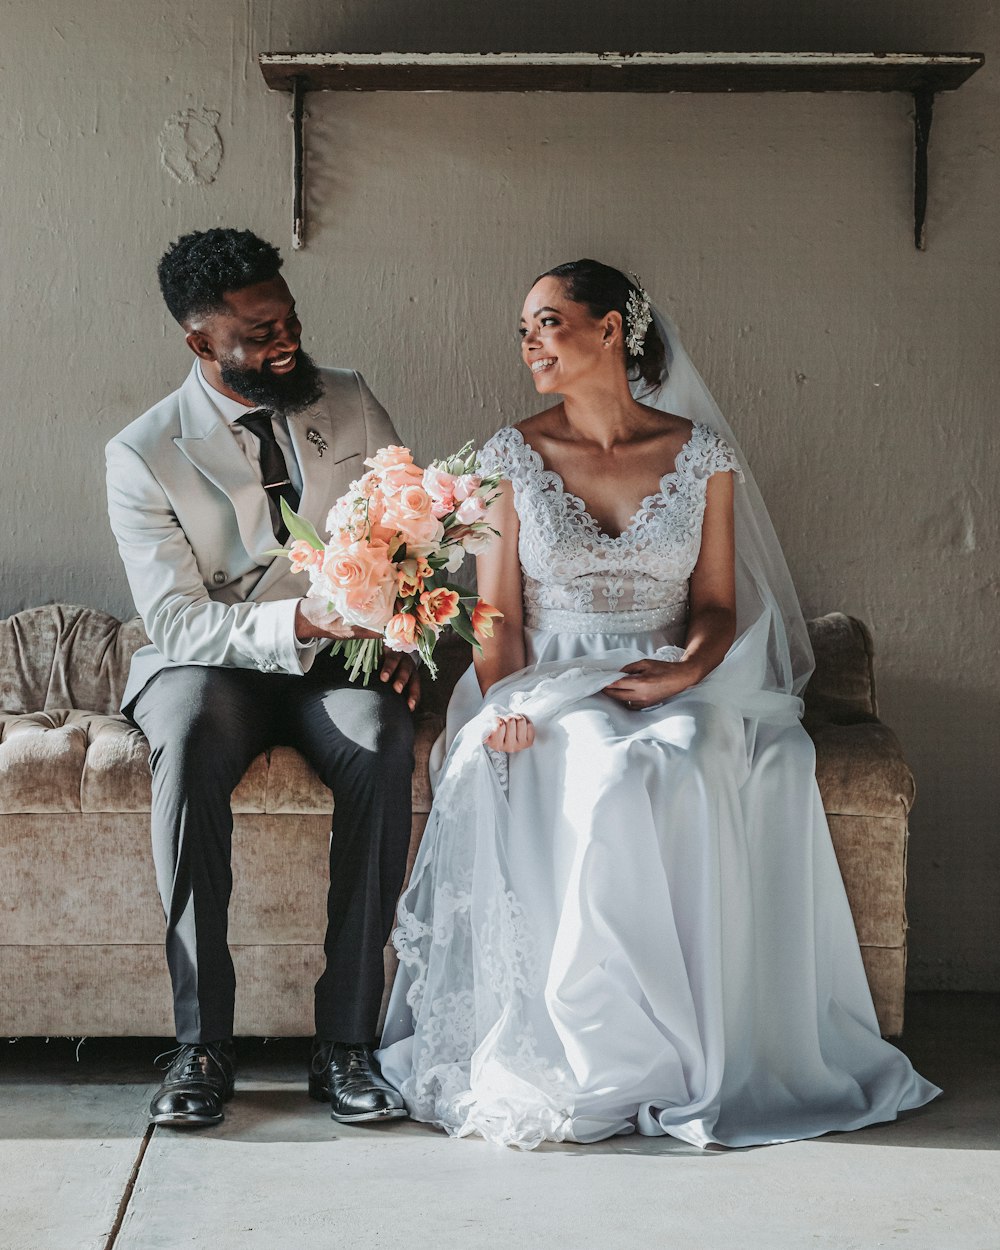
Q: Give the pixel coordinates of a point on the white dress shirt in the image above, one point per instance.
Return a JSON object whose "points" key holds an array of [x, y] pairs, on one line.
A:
{"points": [[230, 411]]}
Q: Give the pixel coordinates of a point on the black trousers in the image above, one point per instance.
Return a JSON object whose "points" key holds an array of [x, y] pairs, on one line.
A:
{"points": [[205, 726]]}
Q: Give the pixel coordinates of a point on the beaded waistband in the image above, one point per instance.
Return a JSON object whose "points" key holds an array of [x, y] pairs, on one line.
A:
{"points": [[566, 621]]}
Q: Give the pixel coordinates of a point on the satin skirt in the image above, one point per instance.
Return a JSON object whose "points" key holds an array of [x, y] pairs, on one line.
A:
{"points": [[636, 925]]}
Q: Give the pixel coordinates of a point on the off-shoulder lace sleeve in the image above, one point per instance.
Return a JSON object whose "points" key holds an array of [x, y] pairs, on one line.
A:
{"points": [[503, 453], [713, 454]]}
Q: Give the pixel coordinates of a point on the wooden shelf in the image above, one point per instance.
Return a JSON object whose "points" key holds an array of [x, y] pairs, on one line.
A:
{"points": [[921, 75], [615, 71]]}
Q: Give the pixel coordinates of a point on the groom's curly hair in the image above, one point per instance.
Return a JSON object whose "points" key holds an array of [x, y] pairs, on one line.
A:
{"points": [[197, 270]]}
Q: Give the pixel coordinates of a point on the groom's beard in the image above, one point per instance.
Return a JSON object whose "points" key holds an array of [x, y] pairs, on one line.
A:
{"points": [[286, 393]]}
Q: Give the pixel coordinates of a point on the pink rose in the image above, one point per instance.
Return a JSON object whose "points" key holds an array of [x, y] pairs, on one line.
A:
{"points": [[402, 632], [467, 485], [471, 510], [441, 488]]}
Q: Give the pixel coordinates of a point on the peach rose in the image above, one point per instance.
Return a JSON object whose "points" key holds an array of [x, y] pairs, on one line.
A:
{"points": [[399, 477], [437, 607], [389, 457], [483, 618], [410, 512], [382, 527], [372, 611], [362, 583], [402, 632]]}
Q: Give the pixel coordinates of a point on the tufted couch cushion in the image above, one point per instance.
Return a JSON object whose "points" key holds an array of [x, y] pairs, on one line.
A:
{"points": [[64, 747]]}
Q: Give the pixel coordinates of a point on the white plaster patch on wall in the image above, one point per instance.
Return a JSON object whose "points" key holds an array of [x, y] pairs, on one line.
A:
{"points": [[191, 146]]}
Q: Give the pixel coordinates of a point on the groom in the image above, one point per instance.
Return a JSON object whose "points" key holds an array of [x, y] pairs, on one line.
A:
{"points": [[239, 661]]}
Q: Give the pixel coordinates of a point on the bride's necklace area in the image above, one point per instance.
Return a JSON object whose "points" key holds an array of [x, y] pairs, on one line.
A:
{"points": [[578, 507]]}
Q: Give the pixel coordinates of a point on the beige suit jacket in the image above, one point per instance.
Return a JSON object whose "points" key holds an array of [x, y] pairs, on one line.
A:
{"points": [[192, 525]]}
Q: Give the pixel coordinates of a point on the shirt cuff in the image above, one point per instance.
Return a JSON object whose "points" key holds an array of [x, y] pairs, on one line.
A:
{"points": [[294, 655]]}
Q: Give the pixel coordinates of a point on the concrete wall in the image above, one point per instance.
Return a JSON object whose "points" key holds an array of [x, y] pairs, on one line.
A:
{"points": [[860, 375]]}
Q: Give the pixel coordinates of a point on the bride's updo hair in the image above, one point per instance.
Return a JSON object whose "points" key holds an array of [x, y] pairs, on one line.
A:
{"points": [[604, 289]]}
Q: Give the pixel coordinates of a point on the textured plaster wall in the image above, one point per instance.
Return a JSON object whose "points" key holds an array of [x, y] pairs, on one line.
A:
{"points": [[860, 375]]}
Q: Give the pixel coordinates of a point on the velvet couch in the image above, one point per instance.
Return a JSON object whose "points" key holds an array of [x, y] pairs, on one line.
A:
{"points": [[80, 920]]}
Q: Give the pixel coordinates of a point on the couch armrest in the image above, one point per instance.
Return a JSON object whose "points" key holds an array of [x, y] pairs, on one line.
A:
{"points": [[861, 769]]}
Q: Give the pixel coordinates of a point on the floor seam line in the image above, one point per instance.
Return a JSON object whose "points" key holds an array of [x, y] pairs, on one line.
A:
{"points": [[126, 1197]]}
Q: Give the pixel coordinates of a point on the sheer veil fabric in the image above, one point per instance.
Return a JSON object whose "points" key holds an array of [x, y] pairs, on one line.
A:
{"points": [[638, 924], [764, 589]]}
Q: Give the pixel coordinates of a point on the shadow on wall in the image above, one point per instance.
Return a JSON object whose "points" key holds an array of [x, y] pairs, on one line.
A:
{"points": [[954, 855], [572, 26]]}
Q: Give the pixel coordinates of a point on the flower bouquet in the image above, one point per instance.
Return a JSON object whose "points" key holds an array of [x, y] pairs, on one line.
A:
{"points": [[393, 538]]}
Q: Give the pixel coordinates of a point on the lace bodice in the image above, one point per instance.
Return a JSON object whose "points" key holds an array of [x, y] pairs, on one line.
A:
{"points": [[571, 568]]}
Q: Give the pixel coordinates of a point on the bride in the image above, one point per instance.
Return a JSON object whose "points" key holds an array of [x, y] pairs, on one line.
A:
{"points": [[626, 913]]}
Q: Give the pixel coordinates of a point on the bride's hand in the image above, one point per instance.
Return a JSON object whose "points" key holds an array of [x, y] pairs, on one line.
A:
{"points": [[513, 732], [649, 682]]}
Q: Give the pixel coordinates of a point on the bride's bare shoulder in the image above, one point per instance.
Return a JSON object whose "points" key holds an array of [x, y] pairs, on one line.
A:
{"points": [[667, 423], [541, 424]]}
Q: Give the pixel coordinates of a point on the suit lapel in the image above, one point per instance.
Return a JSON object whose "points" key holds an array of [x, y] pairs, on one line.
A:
{"points": [[211, 448]]}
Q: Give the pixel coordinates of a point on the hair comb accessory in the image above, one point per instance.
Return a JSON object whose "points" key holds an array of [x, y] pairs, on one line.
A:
{"points": [[638, 317]]}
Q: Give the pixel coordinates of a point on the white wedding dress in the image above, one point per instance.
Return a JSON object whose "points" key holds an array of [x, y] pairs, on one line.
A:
{"points": [[639, 922]]}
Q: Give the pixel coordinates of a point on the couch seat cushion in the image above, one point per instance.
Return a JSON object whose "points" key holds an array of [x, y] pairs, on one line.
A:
{"points": [[64, 760]]}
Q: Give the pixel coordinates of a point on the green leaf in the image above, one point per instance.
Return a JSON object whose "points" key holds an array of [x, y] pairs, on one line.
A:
{"points": [[461, 625], [300, 528]]}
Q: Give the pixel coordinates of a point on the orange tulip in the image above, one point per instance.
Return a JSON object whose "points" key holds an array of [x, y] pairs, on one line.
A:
{"points": [[483, 618]]}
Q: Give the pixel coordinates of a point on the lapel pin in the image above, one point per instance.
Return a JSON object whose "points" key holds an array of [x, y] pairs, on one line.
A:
{"points": [[317, 440]]}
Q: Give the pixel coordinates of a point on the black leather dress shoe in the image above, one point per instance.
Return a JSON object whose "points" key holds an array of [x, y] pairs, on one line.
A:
{"points": [[199, 1080], [347, 1076]]}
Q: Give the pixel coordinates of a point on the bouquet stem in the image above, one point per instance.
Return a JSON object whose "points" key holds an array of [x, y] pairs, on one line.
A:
{"points": [[364, 655]]}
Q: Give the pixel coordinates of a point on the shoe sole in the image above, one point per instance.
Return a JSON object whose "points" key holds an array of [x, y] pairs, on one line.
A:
{"points": [[390, 1113], [187, 1121]]}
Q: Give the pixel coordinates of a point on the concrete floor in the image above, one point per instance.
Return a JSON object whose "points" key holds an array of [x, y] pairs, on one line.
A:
{"points": [[79, 1170]]}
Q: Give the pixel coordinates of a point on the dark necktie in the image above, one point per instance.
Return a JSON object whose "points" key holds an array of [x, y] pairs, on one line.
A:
{"points": [[274, 471]]}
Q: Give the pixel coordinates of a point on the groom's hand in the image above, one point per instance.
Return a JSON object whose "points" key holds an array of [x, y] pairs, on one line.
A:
{"points": [[312, 620], [399, 668]]}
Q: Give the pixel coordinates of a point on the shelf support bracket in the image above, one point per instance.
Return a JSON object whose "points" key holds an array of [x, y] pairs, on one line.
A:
{"points": [[298, 164], [923, 115]]}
